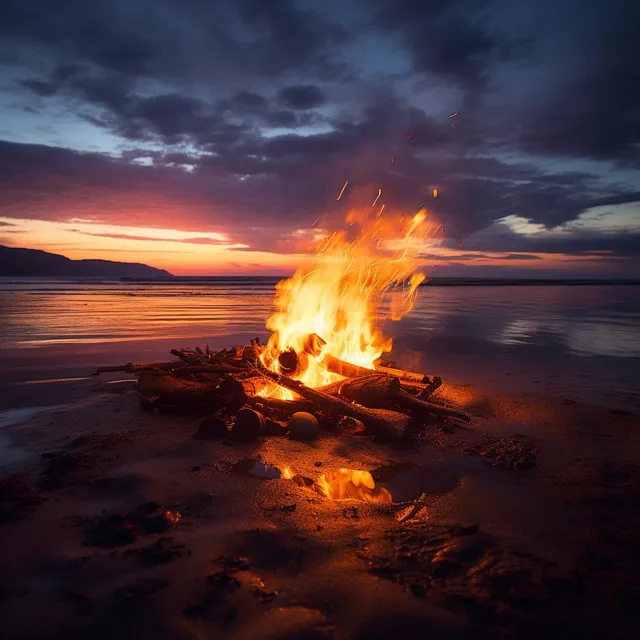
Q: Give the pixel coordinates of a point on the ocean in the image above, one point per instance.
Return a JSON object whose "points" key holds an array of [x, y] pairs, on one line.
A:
{"points": [[578, 342]]}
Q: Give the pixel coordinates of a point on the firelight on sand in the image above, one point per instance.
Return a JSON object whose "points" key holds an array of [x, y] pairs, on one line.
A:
{"points": [[338, 295], [345, 484]]}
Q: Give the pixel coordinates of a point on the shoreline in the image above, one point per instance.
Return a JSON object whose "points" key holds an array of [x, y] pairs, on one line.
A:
{"points": [[495, 550]]}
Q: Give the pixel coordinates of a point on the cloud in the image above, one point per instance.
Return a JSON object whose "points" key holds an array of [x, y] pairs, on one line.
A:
{"points": [[302, 96], [248, 116], [450, 39], [124, 236]]}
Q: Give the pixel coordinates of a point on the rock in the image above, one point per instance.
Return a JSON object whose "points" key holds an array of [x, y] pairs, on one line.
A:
{"points": [[303, 426], [247, 425], [211, 428]]}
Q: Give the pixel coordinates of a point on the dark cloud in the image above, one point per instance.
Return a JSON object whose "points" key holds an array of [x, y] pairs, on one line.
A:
{"points": [[573, 241], [595, 111], [7, 224], [302, 96], [453, 40]]}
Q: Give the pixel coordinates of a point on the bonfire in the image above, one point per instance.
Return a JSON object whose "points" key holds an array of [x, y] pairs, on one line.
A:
{"points": [[322, 366]]}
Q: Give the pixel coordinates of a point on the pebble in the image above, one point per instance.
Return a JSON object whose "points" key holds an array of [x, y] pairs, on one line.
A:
{"points": [[303, 426], [247, 425]]}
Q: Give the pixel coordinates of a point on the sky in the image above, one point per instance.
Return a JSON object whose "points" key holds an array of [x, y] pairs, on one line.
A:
{"points": [[213, 137]]}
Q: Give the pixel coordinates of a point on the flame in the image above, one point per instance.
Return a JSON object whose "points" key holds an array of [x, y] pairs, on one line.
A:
{"points": [[345, 484], [338, 296]]}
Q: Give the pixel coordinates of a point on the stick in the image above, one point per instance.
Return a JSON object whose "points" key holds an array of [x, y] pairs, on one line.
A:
{"points": [[141, 366], [408, 376], [220, 367], [408, 401], [285, 406], [381, 422]]}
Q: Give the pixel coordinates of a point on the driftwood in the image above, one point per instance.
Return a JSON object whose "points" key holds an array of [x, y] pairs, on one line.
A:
{"points": [[407, 401], [142, 366], [152, 384], [285, 406], [378, 390], [372, 390], [404, 376], [387, 424], [348, 370]]}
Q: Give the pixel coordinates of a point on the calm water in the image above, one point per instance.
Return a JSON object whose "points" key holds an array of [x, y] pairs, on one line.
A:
{"points": [[566, 340]]}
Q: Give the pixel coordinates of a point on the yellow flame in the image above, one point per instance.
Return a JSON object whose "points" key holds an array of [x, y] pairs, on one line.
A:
{"points": [[346, 484], [351, 484], [338, 296]]}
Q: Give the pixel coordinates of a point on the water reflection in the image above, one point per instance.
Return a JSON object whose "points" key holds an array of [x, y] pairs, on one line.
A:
{"points": [[575, 321]]}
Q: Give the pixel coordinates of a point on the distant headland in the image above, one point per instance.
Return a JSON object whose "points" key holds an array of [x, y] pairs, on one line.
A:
{"points": [[34, 263]]}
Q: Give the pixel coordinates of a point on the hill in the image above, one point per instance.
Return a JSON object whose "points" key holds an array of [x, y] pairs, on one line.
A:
{"points": [[35, 263]]}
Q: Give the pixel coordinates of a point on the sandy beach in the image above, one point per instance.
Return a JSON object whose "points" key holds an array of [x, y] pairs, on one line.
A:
{"points": [[122, 523]]}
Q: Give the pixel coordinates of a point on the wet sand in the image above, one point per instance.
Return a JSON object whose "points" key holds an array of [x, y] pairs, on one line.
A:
{"points": [[120, 523]]}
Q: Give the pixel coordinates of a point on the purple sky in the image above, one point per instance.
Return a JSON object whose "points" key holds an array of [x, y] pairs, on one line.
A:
{"points": [[208, 136]]}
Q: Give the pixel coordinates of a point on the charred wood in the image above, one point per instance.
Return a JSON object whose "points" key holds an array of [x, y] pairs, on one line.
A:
{"points": [[387, 424]]}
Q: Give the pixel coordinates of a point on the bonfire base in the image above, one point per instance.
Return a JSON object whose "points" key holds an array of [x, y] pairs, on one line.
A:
{"points": [[387, 401]]}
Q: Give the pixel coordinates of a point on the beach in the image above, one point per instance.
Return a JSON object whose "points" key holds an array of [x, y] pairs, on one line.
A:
{"points": [[121, 522]]}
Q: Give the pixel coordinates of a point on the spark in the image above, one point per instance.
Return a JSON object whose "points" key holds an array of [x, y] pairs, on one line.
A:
{"points": [[410, 136], [315, 222], [377, 198], [344, 186], [453, 115], [393, 159], [435, 192], [381, 210]]}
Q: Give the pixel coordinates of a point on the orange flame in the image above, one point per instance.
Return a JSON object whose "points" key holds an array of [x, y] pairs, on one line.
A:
{"points": [[338, 296], [346, 484]]}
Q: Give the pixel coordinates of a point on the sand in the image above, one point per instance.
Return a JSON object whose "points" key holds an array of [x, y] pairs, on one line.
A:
{"points": [[119, 523]]}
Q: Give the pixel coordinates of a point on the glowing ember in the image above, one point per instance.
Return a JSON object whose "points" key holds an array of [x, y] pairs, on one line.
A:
{"points": [[338, 296]]}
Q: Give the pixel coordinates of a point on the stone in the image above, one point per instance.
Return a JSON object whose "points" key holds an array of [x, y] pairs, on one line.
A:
{"points": [[247, 425], [303, 426]]}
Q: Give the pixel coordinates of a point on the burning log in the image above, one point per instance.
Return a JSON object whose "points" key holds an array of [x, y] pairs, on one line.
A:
{"points": [[377, 390], [372, 390], [348, 370], [387, 424], [404, 376]]}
